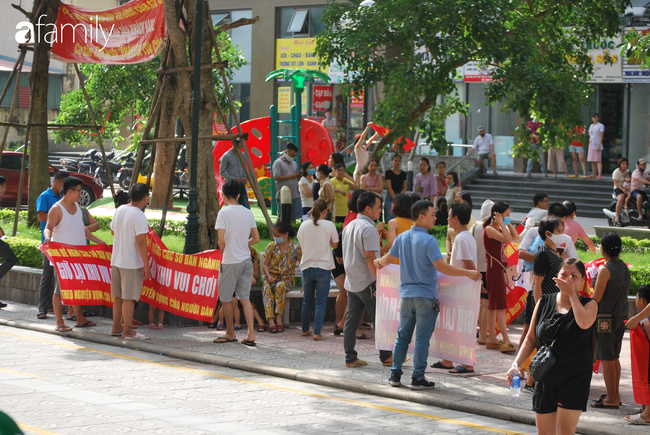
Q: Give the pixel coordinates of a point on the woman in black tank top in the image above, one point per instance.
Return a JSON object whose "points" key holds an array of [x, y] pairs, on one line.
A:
{"points": [[566, 320]]}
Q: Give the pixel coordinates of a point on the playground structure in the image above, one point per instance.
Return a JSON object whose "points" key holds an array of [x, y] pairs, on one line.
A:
{"points": [[315, 146]]}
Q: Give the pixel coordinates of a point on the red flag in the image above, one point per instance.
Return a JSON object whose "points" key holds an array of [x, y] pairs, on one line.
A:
{"points": [[640, 359]]}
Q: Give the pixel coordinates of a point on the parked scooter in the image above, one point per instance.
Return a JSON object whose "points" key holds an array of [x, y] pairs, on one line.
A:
{"points": [[88, 163], [125, 173], [630, 216]]}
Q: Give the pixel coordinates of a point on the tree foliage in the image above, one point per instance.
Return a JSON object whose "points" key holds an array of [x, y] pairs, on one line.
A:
{"points": [[118, 89], [413, 47]]}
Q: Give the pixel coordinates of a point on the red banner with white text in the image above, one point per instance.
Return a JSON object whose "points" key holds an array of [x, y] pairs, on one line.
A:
{"points": [[184, 285], [131, 33]]}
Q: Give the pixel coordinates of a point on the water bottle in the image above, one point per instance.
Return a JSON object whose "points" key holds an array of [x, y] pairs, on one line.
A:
{"points": [[515, 388]]}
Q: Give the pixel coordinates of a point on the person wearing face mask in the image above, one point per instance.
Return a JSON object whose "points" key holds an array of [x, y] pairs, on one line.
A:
{"points": [[330, 125], [452, 186], [306, 185], [548, 257], [484, 146], [280, 259], [497, 233], [286, 173]]}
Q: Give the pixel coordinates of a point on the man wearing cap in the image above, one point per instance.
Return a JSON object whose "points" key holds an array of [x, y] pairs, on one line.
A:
{"points": [[639, 179], [484, 146]]}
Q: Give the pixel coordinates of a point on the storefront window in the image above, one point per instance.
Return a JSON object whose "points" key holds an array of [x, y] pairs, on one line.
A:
{"points": [[502, 129]]}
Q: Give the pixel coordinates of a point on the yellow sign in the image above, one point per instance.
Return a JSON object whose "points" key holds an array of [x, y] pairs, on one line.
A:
{"points": [[293, 53], [284, 99], [304, 102]]}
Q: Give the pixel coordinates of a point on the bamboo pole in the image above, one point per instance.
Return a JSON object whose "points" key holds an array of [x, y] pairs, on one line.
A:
{"points": [[249, 172], [20, 60], [97, 128], [13, 103], [152, 158], [184, 139]]}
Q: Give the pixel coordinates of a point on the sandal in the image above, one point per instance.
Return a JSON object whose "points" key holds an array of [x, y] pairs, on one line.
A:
{"points": [[365, 326], [41, 315], [363, 336], [64, 328], [87, 324], [636, 420], [220, 327], [161, 326], [248, 343], [153, 326], [460, 370], [273, 329], [224, 340], [261, 328], [491, 345], [507, 348], [337, 331], [280, 328], [439, 365], [212, 325]]}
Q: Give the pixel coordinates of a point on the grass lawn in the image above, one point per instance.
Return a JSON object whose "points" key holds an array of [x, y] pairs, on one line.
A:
{"points": [[631, 258], [179, 204]]}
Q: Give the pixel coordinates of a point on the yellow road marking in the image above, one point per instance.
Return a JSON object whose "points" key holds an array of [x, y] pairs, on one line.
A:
{"points": [[16, 372], [275, 387], [37, 430]]}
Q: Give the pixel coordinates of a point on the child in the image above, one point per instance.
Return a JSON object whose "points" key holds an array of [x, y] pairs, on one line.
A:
{"points": [[279, 268], [152, 317], [626, 185], [573, 229], [643, 305]]}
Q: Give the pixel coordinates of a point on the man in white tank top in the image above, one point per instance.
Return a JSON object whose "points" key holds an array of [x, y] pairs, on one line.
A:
{"points": [[65, 225]]}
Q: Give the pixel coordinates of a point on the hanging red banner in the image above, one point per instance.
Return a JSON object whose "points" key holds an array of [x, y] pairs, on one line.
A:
{"points": [[131, 33], [320, 97], [184, 285]]}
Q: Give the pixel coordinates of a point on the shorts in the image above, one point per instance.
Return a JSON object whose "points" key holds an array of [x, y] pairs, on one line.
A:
{"points": [[126, 283], [618, 192], [642, 193], [564, 387], [575, 149], [609, 343], [57, 287], [484, 281], [530, 307], [235, 277], [338, 268], [296, 208], [482, 157]]}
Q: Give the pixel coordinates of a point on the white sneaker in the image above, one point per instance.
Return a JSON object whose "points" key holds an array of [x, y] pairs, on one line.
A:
{"points": [[528, 175]]}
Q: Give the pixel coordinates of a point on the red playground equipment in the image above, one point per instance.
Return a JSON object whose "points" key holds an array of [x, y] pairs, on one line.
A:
{"points": [[316, 147]]}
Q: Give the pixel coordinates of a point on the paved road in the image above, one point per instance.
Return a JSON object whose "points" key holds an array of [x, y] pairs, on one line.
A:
{"points": [[57, 385]]}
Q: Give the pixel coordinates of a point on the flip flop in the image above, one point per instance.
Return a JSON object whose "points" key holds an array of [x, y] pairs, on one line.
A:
{"points": [[636, 420], [87, 324], [248, 343], [438, 365], [460, 370], [89, 314], [137, 336], [220, 327], [41, 315], [363, 336], [365, 326], [63, 328], [237, 328], [600, 403], [72, 319], [222, 340]]}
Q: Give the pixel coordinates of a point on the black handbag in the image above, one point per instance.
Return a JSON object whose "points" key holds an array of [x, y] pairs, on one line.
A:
{"points": [[544, 360]]}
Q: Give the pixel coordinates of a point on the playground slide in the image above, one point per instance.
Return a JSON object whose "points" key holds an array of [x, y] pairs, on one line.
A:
{"points": [[315, 143]]}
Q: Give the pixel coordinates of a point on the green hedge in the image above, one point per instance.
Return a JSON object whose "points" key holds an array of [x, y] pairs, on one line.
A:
{"points": [[630, 245], [27, 251]]}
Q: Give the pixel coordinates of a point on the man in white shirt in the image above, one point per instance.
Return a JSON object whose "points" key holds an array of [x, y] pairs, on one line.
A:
{"points": [[237, 233], [464, 256], [540, 208], [484, 146], [637, 186], [330, 125], [130, 260]]}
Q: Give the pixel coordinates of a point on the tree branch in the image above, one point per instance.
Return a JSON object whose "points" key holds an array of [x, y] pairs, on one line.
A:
{"points": [[240, 22]]}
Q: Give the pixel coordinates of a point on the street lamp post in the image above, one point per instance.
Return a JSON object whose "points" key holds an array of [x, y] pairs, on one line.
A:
{"points": [[192, 225]]}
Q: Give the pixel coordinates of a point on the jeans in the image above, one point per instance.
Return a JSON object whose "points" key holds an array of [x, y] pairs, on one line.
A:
{"points": [[529, 166], [357, 303], [46, 289], [388, 206], [243, 196], [414, 312], [316, 287]]}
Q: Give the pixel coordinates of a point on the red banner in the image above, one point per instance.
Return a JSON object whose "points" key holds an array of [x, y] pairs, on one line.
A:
{"points": [[184, 285], [640, 349], [131, 33]]}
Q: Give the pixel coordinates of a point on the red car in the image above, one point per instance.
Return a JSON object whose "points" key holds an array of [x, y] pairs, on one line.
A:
{"points": [[91, 190]]}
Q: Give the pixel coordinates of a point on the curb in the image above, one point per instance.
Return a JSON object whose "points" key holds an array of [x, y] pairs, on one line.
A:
{"points": [[463, 405]]}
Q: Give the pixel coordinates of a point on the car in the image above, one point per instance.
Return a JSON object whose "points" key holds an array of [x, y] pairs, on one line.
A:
{"points": [[91, 190]]}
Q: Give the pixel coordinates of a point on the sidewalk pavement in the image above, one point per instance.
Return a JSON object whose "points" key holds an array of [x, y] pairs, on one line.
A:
{"points": [[291, 356]]}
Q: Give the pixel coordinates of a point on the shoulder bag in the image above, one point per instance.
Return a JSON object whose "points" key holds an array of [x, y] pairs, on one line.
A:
{"points": [[544, 360]]}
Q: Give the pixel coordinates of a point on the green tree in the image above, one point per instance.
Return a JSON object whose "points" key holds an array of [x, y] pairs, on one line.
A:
{"points": [[413, 47]]}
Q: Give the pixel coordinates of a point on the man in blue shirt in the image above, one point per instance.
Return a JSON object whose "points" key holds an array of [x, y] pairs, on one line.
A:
{"points": [[420, 259], [44, 203]]}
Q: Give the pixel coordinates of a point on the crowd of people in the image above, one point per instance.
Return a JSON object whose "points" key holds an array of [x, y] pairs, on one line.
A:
{"points": [[555, 315]]}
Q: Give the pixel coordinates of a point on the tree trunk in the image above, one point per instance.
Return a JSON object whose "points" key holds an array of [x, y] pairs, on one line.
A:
{"points": [[39, 178], [208, 202], [165, 152]]}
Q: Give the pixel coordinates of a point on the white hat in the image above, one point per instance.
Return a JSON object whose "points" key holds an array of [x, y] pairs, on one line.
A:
{"points": [[486, 209]]}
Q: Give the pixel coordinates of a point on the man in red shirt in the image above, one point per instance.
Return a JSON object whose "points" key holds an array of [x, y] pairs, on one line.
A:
{"points": [[577, 150]]}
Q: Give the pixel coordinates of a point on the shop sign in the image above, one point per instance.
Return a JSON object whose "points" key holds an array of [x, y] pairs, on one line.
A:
{"points": [[475, 72], [633, 72], [322, 98], [356, 102], [606, 58], [294, 53], [284, 99]]}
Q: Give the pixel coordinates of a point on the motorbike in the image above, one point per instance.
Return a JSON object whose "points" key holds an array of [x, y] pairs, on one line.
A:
{"points": [[88, 163], [125, 173], [100, 170], [630, 216]]}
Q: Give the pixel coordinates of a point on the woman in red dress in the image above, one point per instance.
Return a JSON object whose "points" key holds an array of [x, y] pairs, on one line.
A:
{"points": [[497, 232]]}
